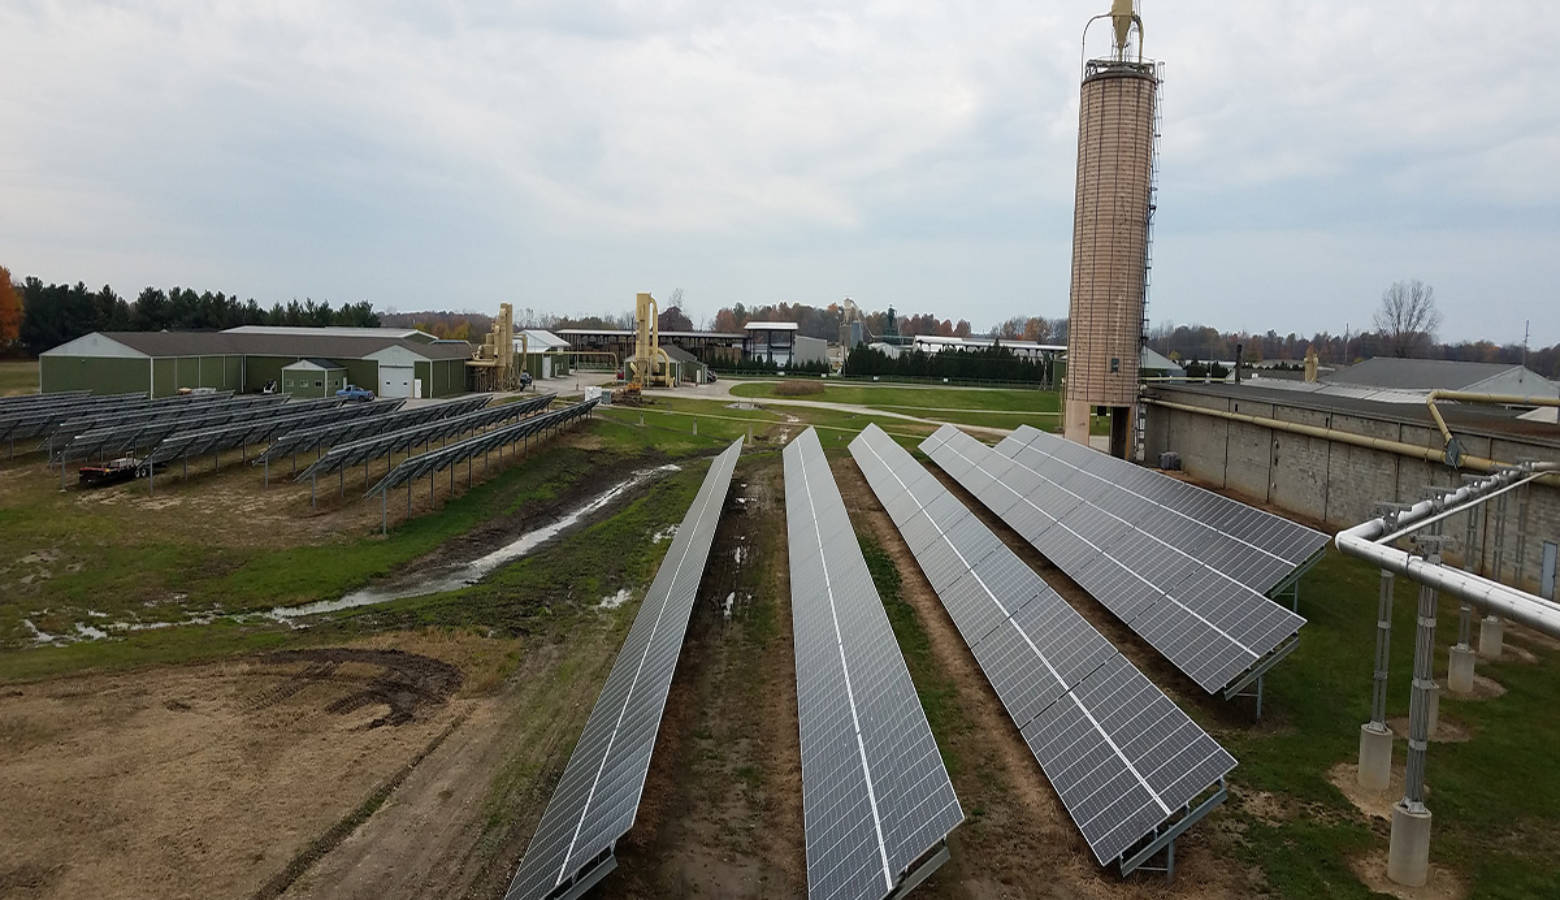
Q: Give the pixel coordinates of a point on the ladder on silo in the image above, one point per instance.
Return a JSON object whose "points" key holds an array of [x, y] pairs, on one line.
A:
{"points": [[1138, 439]]}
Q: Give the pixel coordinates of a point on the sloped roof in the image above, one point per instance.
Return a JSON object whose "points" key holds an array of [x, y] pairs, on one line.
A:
{"points": [[679, 354], [331, 331], [303, 346], [1152, 359], [325, 364], [1421, 374]]}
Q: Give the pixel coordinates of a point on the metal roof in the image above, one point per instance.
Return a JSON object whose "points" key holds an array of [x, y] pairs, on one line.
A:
{"points": [[329, 330], [628, 332], [305, 345], [771, 326], [679, 354], [1467, 418], [317, 363], [1424, 374]]}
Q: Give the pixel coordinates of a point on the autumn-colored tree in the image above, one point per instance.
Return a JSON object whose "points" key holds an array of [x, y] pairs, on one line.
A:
{"points": [[10, 310]]}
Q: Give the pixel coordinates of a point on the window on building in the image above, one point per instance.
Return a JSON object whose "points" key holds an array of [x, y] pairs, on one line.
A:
{"points": [[1115, 364], [319, 384]]}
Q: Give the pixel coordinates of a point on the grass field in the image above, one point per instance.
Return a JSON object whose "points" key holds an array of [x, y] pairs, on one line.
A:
{"points": [[18, 376], [1004, 408], [223, 546]]}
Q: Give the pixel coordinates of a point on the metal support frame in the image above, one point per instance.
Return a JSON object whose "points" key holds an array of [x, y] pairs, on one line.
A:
{"points": [[1165, 840], [1378, 690], [1423, 683], [921, 869], [1253, 675], [587, 877]]}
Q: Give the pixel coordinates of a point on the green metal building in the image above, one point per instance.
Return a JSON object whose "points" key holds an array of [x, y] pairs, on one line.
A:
{"points": [[390, 362], [313, 378]]}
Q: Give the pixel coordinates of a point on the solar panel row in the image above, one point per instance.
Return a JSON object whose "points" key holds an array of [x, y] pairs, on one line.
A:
{"points": [[304, 440], [256, 430], [8, 404], [875, 794], [111, 441], [598, 796], [442, 458], [146, 411], [31, 422], [1213, 628], [1125, 760], [1256, 548], [343, 455]]}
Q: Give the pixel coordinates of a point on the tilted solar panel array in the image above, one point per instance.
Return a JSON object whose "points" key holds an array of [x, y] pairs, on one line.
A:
{"points": [[875, 794], [305, 439], [38, 421], [343, 455], [39, 401], [156, 410], [1256, 548], [1208, 625], [254, 430], [598, 796], [1123, 758], [441, 458], [116, 439]]}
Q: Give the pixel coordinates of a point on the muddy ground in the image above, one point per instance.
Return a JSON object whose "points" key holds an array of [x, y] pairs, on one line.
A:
{"points": [[403, 765]]}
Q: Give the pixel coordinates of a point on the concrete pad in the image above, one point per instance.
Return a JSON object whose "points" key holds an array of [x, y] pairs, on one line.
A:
{"points": [[1459, 670], [1375, 757], [1408, 855], [1491, 637]]}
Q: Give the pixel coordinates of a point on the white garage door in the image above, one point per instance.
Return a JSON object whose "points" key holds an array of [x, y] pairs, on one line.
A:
{"points": [[395, 381]]}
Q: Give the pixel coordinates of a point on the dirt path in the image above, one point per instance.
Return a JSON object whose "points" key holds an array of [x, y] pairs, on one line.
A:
{"points": [[204, 781], [721, 814], [1017, 839], [459, 823]]}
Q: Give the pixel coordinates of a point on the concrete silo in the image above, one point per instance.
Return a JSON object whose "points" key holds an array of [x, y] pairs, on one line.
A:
{"points": [[1112, 217]]}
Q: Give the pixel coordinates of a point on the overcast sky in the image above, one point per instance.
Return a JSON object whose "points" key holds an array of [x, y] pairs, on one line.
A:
{"points": [[563, 155]]}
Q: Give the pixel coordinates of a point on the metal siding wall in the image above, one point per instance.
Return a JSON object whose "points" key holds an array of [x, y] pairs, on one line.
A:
{"points": [[187, 373], [165, 377], [100, 375], [260, 369], [362, 372], [424, 371]]}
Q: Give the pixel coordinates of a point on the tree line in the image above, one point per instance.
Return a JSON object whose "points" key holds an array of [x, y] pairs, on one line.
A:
{"points": [[996, 363], [51, 314]]}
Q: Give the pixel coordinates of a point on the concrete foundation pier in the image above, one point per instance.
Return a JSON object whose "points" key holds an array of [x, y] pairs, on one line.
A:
{"points": [[1432, 708], [1375, 756], [1459, 670], [1492, 633], [1408, 855]]}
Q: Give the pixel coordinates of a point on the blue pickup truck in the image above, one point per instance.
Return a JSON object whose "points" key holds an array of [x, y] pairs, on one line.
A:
{"points": [[352, 392]]}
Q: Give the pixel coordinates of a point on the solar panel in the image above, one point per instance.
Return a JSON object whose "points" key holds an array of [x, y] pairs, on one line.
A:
{"points": [[1256, 548], [441, 458], [34, 421], [597, 798], [1221, 633], [876, 798], [256, 429], [305, 439], [148, 430], [1126, 762], [343, 455]]}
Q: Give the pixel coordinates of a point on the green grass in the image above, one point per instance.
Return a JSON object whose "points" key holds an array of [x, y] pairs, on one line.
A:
{"points": [[18, 376], [1494, 798]]}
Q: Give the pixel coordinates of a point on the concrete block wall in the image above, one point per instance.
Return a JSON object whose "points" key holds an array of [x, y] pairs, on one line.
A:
{"points": [[1336, 484]]}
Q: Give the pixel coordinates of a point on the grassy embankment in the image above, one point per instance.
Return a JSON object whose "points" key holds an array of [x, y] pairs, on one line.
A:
{"points": [[989, 407]]}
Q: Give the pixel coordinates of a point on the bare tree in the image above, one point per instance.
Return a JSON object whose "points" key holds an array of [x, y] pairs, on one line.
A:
{"points": [[1408, 318]]}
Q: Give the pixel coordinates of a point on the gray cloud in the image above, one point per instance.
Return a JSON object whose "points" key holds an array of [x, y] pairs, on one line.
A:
{"points": [[564, 155]]}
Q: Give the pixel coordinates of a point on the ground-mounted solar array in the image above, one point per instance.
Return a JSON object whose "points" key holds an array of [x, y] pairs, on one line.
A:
{"points": [[404, 440], [42, 419], [440, 458], [1256, 548], [597, 798], [114, 440], [143, 410], [1219, 632], [876, 797], [255, 430], [1131, 768], [303, 440]]}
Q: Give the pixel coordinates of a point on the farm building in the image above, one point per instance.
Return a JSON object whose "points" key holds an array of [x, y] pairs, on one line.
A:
{"points": [[247, 359], [313, 378], [546, 354]]}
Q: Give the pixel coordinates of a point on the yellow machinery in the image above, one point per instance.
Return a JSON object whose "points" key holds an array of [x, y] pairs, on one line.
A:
{"points": [[494, 367], [648, 355]]}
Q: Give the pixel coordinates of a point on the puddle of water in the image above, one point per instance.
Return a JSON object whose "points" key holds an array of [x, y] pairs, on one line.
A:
{"points": [[97, 615], [474, 571], [739, 555], [664, 534], [731, 600], [90, 633], [39, 636], [613, 601]]}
